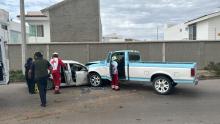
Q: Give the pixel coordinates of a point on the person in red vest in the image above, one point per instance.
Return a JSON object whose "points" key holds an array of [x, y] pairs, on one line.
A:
{"points": [[56, 63], [114, 74]]}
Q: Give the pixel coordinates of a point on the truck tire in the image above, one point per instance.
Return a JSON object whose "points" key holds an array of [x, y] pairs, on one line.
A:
{"points": [[95, 80], [174, 84], [162, 85]]}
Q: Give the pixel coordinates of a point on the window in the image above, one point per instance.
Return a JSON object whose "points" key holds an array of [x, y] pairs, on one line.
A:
{"points": [[119, 55], [77, 67], [134, 56], [192, 32], [15, 37], [5, 27], [36, 30], [109, 57]]}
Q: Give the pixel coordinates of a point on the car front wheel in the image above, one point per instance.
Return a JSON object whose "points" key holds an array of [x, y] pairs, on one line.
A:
{"points": [[162, 85], [95, 80]]}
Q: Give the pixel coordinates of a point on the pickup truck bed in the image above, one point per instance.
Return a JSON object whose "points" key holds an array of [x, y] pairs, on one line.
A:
{"points": [[166, 64]]}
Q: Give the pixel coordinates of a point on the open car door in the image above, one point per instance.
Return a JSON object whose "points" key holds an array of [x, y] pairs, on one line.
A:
{"points": [[81, 73], [1, 74], [81, 77], [65, 76], [4, 64]]}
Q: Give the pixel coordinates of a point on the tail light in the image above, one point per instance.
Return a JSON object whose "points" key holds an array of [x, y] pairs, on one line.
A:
{"points": [[193, 72]]}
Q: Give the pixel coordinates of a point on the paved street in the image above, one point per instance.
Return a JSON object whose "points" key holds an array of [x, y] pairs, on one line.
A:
{"points": [[134, 104]]}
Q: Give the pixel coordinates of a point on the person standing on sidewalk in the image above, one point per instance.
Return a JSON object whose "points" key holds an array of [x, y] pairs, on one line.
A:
{"points": [[56, 63], [40, 69], [29, 79], [114, 73]]}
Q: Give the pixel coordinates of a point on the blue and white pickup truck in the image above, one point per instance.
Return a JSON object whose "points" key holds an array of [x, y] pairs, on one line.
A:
{"points": [[163, 75]]}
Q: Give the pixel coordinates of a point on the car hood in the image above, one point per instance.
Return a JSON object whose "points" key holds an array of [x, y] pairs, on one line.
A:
{"points": [[95, 62]]}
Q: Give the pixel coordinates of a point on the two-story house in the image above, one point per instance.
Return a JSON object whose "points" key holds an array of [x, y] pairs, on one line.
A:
{"points": [[206, 27]]}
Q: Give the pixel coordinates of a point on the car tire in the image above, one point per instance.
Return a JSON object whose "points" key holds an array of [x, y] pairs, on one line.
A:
{"points": [[95, 80], [162, 85], [174, 84]]}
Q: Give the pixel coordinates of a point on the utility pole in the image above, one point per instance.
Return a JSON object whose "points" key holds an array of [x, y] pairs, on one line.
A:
{"points": [[23, 33]]}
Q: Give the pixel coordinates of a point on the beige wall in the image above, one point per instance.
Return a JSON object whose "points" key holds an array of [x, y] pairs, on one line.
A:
{"points": [[201, 52]]}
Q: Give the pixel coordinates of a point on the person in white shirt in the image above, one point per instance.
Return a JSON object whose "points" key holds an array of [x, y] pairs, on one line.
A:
{"points": [[114, 73], [56, 63]]}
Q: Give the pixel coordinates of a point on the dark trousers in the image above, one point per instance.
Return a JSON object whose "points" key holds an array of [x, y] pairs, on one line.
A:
{"points": [[42, 87], [30, 84]]}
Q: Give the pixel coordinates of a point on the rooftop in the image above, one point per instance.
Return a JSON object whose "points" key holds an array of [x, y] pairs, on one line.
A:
{"points": [[34, 14], [202, 18], [54, 6]]}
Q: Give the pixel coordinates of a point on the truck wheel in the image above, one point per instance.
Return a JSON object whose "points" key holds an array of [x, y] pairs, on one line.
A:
{"points": [[174, 84], [95, 80], [162, 85]]}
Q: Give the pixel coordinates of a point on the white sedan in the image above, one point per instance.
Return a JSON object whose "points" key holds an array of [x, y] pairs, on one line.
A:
{"points": [[75, 74]]}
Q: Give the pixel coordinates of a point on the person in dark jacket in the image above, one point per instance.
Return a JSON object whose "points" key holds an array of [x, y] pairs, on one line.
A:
{"points": [[29, 79], [40, 69]]}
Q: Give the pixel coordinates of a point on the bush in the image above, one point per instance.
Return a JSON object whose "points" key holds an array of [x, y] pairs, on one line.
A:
{"points": [[213, 67], [16, 76]]}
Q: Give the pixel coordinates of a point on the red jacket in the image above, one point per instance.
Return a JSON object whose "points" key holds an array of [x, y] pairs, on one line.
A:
{"points": [[56, 64]]}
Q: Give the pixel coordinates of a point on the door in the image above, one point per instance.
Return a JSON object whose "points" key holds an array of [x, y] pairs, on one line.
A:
{"points": [[134, 72], [65, 76], [121, 64], [1, 73], [79, 74], [1, 68], [4, 64], [81, 78]]}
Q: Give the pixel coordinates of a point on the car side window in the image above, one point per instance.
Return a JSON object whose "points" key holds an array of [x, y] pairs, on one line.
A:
{"points": [[84, 68], [66, 66], [118, 55], [77, 67], [134, 57]]}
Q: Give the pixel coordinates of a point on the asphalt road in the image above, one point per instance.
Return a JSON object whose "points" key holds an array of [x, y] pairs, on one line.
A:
{"points": [[133, 104]]}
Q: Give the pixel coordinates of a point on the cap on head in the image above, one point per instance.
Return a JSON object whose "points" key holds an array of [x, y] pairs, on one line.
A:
{"points": [[55, 53], [114, 58]]}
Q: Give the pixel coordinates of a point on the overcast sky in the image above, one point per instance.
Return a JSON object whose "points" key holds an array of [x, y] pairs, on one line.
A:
{"points": [[133, 18]]}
